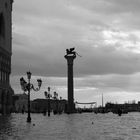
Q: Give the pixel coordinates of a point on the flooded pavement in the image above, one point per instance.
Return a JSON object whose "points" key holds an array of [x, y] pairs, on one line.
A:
{"points": [[86, 126]]}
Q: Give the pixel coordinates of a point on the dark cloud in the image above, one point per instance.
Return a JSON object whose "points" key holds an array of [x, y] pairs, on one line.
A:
{"points": [[105, 32], [107, 60], [94, 61]]}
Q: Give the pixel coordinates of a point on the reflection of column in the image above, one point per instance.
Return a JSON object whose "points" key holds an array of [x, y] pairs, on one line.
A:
{"points": [[70, 107]]}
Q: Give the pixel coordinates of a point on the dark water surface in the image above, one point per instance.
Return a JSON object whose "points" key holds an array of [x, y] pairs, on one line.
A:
{"points": [[86, 126]]}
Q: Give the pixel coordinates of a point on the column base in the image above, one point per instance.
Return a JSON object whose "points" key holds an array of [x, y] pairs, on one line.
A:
{"points": [[28, 119]]}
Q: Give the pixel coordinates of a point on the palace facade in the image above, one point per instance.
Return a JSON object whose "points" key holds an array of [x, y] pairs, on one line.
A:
{"points": [[5, 55]]}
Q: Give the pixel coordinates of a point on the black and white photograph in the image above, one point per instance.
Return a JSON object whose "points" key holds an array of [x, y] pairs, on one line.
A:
{"points": [[69, 69]]}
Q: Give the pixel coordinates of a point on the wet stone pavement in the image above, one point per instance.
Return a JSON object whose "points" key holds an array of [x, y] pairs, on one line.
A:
{"points": [[85, 126]]}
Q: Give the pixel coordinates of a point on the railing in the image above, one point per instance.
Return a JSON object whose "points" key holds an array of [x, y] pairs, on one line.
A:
{"points": [[85, 103]]}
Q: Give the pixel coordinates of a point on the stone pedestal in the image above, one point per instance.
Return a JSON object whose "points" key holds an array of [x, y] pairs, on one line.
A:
{"points": [[70, 106]]}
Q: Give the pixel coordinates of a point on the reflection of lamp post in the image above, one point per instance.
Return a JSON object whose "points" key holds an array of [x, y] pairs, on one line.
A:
{"points": [[28, 87]]}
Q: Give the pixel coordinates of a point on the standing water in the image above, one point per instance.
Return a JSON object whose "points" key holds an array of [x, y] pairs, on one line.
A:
{"points": [[86, 126]]}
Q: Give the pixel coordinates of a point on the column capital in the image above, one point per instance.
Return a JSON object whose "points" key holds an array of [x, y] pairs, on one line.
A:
{"points": [[70, 58]]}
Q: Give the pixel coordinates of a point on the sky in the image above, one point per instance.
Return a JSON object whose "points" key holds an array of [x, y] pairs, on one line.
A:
{"points": [[106, 33]]}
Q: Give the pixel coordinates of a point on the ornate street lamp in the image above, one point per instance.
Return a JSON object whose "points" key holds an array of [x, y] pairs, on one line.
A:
{"points": [[28, 87], [49, 96]]}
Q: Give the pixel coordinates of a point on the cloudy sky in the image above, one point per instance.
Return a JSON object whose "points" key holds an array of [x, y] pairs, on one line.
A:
{"points": [[105, 32]]}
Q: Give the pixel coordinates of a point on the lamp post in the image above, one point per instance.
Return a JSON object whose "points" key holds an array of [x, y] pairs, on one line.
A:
{"points": [[49, 96], [27, 87], [55, 97]]}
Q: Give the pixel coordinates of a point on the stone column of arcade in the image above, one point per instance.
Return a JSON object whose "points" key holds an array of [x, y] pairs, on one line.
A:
{"points": [[70, 58]]}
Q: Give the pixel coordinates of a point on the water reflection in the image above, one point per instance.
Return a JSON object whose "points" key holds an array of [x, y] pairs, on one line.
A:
{"points": [[70, 127], [13, 127]]}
